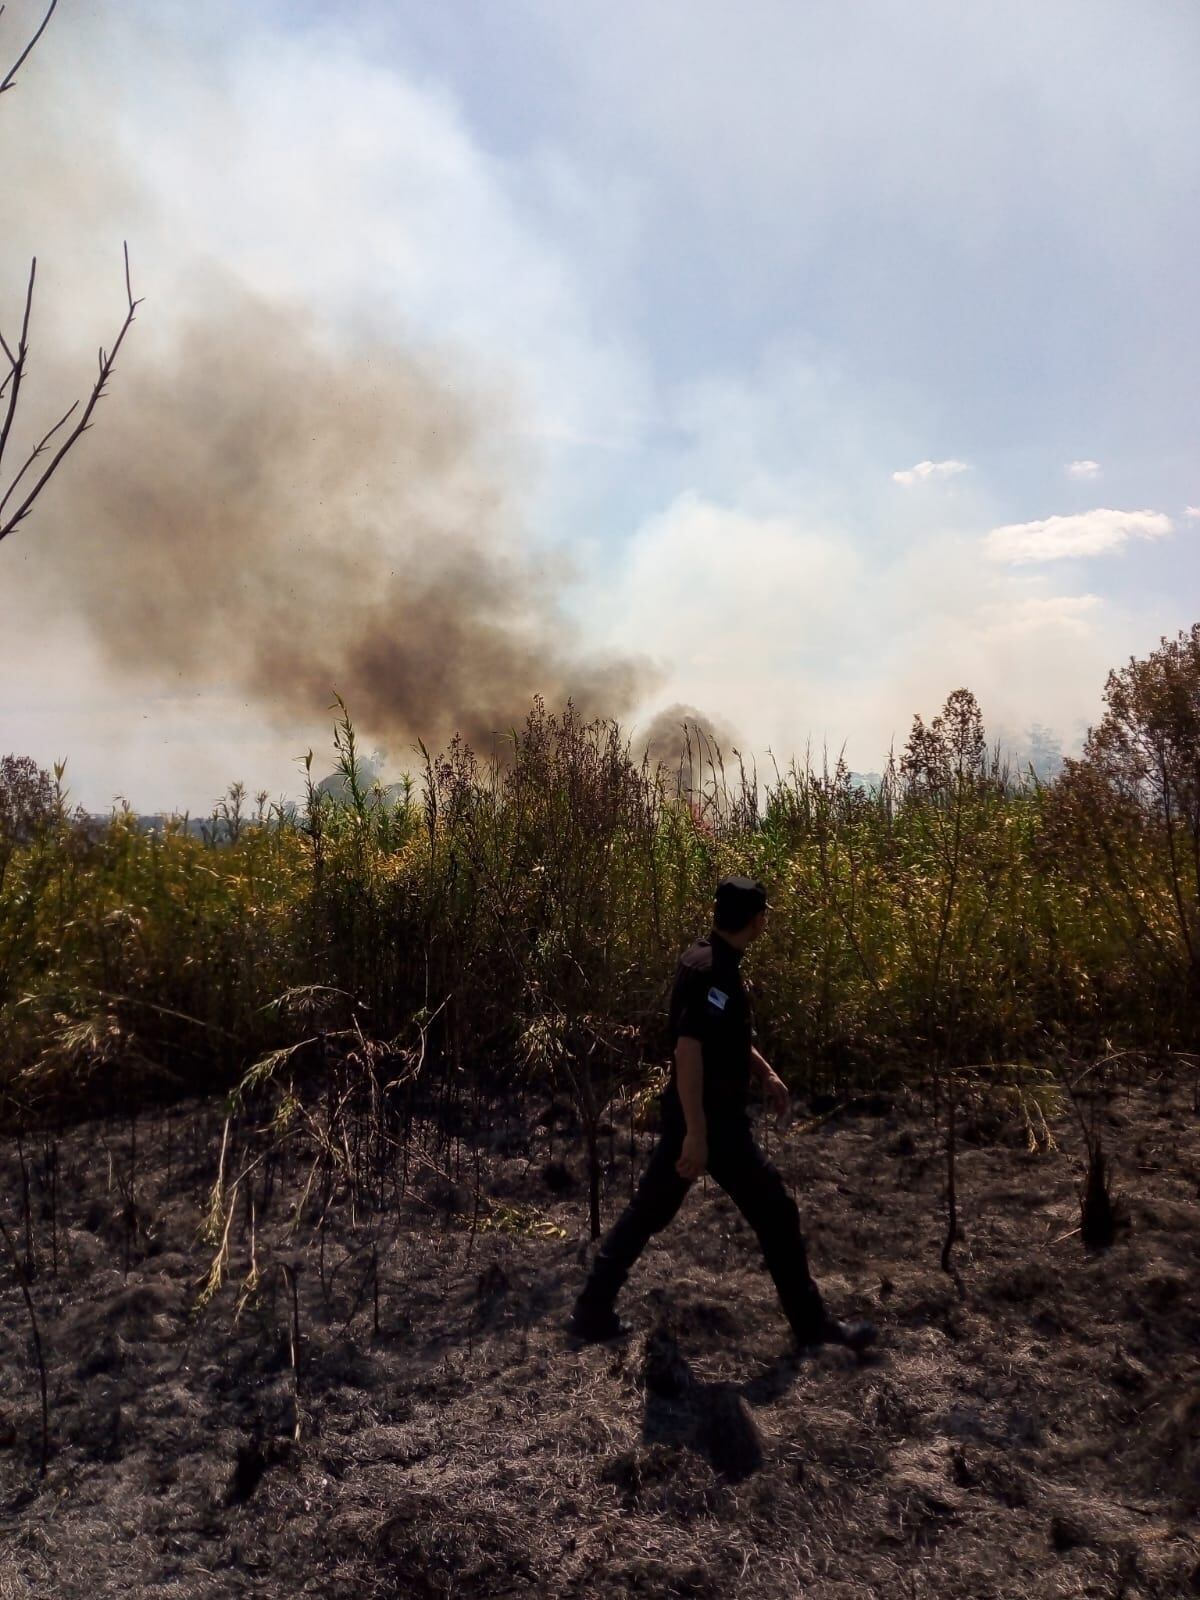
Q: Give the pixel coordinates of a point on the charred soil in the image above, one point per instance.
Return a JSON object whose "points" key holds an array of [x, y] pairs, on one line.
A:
{"points": [[386, 1405]]}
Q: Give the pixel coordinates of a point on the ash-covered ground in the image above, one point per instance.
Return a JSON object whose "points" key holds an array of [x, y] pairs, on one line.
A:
{"points": [[395, 1410]]}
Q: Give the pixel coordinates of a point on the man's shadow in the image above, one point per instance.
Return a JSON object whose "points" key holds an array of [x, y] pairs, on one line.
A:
{"points": [[712, 1418], [715, 1418]]}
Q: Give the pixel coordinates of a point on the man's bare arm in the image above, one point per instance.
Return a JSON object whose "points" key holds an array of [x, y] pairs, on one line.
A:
{"points": [[773, 1087], [689, 1075]]}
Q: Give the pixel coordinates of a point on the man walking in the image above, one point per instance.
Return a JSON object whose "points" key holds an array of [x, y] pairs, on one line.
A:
{"points": [[705, 1128]]}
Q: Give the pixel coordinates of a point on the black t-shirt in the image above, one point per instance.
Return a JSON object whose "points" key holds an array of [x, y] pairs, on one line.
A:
{"points": [[709, 1002]]}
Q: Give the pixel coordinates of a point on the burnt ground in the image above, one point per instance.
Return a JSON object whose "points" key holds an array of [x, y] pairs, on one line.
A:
{"points": [[1032, 1430]]}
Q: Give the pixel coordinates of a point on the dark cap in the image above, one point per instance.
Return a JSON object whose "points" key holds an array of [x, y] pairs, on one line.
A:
{"points": [[737, 902]]}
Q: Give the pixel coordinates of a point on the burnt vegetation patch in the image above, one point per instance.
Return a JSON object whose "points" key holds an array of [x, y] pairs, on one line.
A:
{"points": [[377, 1397]]}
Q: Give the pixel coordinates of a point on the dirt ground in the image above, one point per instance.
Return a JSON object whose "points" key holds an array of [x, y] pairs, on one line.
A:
{"points": [[398, 1413]]}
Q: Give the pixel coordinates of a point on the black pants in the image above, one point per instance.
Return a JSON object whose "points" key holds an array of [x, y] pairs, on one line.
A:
{"points": [[751, 1182]]}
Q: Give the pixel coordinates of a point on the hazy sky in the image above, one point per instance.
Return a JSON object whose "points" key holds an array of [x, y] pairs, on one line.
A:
{"points": [[828, 356]]}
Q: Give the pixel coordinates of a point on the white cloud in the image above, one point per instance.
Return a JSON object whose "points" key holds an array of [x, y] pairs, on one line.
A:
{"points": [[1083, 469], [1088, 534], [929, 469], [1192, 513]]}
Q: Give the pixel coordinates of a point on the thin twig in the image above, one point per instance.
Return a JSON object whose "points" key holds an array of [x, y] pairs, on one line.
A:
{"points": [[17, 362], [23, 1281], [38, 450], [10, 76], [165, 1011], [289, 1279]]}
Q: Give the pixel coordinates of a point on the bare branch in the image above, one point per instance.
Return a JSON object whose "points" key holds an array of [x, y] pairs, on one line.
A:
{"points": [[11, 75], [17, 363], [107, 362]]}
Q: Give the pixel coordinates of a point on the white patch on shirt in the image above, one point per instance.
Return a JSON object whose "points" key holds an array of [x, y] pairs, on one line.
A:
{"points": [[718, 998]]}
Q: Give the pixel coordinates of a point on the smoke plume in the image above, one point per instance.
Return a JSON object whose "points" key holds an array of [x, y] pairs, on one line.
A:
{"points": [[262, 510], [680, 736]]}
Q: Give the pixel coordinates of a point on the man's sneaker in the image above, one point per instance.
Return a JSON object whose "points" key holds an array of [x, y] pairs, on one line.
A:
{"points": [[595, 1326], [856, 1336]]}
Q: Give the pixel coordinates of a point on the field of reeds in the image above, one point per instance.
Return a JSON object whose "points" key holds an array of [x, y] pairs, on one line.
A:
{"points": [[515, 915]]}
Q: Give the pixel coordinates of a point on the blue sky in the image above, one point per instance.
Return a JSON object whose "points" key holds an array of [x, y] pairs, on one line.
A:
{"points": [[721, 273]]}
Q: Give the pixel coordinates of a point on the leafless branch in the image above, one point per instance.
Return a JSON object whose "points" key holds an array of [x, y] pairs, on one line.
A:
{"points": [[10, 77], [16, 363], [107, 361]]}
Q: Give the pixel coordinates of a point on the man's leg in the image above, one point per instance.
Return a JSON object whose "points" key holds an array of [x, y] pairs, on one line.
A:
{"points": [[756, 1188], [658, 1197]]}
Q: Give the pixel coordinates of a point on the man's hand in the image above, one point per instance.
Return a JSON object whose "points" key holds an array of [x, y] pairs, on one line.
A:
{"points": [[694, 1156], [776, 1093]]}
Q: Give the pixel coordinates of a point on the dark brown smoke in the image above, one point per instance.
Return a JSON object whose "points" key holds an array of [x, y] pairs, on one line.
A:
{"points": [[681, 737], [259, 509]]}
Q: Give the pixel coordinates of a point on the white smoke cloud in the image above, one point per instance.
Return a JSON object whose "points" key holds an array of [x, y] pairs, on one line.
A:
{"points": [[1083, 469], [800, 640], [1063, 613]]}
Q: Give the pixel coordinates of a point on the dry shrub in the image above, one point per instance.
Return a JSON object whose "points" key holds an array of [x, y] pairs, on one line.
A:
{"points": [[1097, 1207]]}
